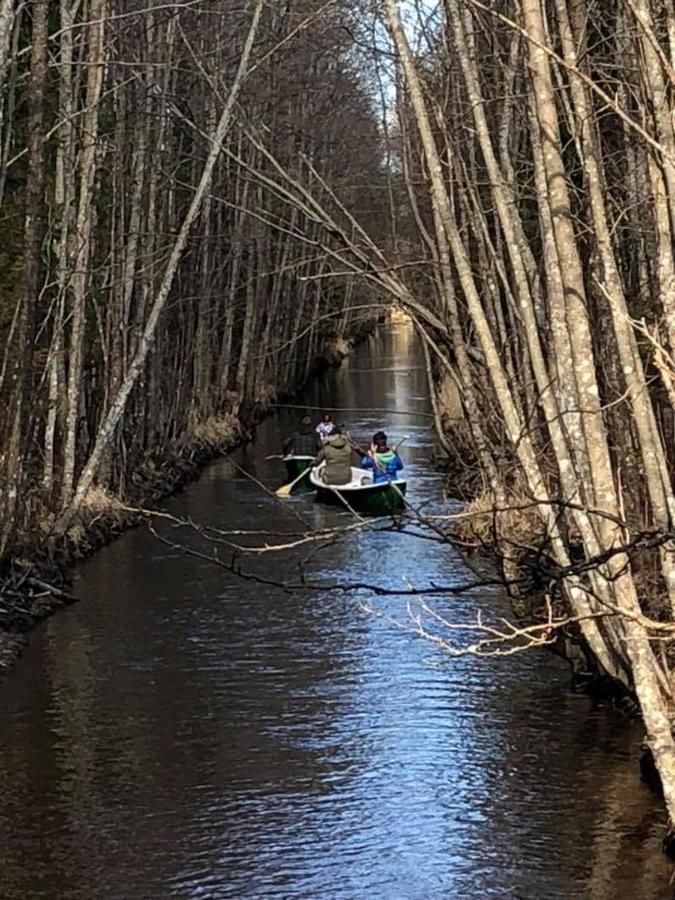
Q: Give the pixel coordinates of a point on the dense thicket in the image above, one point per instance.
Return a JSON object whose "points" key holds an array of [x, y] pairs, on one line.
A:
{"points": [[144, 298], [538, 146]]}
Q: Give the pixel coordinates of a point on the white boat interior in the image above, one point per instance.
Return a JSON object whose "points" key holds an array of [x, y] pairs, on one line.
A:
{"points": [[361, 480]]}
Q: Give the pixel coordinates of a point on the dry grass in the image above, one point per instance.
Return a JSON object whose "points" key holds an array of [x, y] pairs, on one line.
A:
{"points": [[518, 523], [100, 500], [449, 402], [216, 431], [99, 503], [341, 346], [76, 535], [336, 350], [265, 394], [398, 316]]}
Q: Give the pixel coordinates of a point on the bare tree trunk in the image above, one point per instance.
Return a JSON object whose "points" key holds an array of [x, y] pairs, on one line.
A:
{"points": [[7, 17], [22, 366], [63, 198], [644, 667], [514, 425], [83, 240], [118, 405], [652, 451]]}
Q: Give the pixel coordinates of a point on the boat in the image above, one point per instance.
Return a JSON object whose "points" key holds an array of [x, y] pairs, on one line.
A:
{"points": [[361, 494], [295, 465]]}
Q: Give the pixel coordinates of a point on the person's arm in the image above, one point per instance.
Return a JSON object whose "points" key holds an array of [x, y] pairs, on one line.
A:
{"points": [[287, 445], [355, 451], [319, 458], [367, 462], [399, 463]]}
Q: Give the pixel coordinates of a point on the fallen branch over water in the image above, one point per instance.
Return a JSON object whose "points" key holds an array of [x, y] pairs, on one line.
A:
{"points": [[499, 637]]}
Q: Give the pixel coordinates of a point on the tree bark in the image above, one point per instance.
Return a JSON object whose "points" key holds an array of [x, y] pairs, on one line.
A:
{"points": [[109, 423]]}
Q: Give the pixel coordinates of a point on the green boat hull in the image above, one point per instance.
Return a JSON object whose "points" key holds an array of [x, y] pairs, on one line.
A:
{"points": [[366, 500], [295, 465]]}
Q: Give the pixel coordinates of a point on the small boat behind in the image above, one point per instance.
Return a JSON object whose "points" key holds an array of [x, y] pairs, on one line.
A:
{"points": [[296, 465], [361, 494]]}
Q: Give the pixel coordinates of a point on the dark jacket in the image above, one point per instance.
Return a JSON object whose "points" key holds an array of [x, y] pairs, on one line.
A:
{"points": [[301, 443], [386, 466], [338, 456]]}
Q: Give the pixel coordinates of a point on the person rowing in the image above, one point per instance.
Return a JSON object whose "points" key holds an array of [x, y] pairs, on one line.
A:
{"points": [[385, 462], [303, 440], [337, 455]]}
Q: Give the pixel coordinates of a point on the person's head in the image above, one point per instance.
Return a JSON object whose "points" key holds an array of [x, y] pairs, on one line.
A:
{"points": [[380, 440], [337, 429], [327, 418], [306, 421]]}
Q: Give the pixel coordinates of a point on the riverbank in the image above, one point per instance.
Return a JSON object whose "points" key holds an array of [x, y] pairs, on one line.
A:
{"points": [[513, 545], [34, 582], [252, 743]]}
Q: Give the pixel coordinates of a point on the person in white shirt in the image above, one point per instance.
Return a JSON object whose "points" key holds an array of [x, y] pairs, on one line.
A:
{"points": [[325, 428]]}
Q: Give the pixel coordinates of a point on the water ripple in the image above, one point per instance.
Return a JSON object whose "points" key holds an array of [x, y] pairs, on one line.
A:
{"points": [[181, 733]]}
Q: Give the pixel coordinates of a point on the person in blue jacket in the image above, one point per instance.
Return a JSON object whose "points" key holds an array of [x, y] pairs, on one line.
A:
{"points": [[385, 463]]}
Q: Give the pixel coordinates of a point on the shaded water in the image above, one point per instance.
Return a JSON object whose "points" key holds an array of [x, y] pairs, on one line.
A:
{"points": [[181, 733]]}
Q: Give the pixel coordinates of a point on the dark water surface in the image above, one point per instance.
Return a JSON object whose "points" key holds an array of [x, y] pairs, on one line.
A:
{"points": [[181, 733]]}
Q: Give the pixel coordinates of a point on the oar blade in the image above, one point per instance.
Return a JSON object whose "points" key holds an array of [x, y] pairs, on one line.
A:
{"points": [[285, 489]]}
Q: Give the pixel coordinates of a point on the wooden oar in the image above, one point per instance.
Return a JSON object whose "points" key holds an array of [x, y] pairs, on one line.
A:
{"points": [[354, 445], [285, 489]]}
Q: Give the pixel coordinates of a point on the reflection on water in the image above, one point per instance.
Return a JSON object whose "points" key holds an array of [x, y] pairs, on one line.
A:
{"points": [[181, 733]]}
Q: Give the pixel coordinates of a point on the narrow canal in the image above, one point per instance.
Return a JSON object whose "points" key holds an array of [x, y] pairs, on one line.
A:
{"points": [[182, 733]]}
